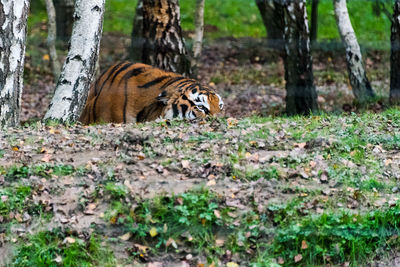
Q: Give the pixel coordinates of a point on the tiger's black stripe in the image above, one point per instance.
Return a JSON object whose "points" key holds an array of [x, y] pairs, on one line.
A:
{"points": [[175, 110], [154, 82], [119, 71], [132, 73], [172, 81], [115, 68], [184, 109]]}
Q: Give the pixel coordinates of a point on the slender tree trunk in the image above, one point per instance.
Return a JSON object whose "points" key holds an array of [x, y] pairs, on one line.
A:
{"points": [[272, 14], [362, 89], [137, 39], [164, 46], [64, 18], [198, 35], [13, 28], [73, 84], [314, 20], [301, 96], [51, 39], [395, 56]]}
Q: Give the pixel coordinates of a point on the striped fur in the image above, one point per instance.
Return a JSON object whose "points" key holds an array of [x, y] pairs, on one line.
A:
{"points": [[128, 92]]}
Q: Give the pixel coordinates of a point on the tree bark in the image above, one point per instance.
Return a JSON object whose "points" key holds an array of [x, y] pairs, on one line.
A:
{"points": [[272, 14], [362, 89], [395, 56], [301, 96], [13, 29], [314, 20], [198, 35], [51, 39], [164, 46], [137, 39], [64, 18], [73, 84]]}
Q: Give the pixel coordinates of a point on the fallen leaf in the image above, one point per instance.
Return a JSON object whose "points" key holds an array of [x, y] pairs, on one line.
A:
{"points": [[185, 164], [46, 158], [153, 232], [304, 244], [219, 242], [217, 214], [69, 240], [232, 264], [125, 237], [170, 242], [298, 258]]}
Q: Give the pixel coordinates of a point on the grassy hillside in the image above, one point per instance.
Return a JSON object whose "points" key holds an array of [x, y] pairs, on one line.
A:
{"points": [[240, 18]]}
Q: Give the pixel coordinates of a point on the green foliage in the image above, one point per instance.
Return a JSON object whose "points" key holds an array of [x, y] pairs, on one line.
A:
{"points": [[14, 199], [239, 18], [16, 172], [116, 190], [337, 238], [48, 247]]}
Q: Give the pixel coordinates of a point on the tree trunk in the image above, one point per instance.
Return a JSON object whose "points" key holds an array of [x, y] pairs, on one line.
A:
{"points": [[314, 20], [164, 46], [51, 39], [64, 18], [395, 56], [272, 15], [362, 89], [13, 28], [198, 35], [137, 39], [301, 96], [73, 84]]}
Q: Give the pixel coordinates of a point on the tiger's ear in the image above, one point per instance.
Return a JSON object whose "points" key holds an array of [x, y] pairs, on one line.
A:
{"points": [[163, 97]]}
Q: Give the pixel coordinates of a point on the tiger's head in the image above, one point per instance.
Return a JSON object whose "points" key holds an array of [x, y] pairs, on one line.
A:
{"points": [[194, 101]]}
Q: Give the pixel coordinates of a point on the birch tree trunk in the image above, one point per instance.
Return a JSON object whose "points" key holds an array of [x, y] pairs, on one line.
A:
{"points": [[362, 89], [395, 56], [272, 14], [301, 96], [198, 35], [51, 38], [13, 29], [137, 38], [164, 46], [73, 84]]}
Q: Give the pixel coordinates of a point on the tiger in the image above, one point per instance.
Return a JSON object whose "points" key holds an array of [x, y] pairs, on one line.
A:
{"points": [[134, 92]]}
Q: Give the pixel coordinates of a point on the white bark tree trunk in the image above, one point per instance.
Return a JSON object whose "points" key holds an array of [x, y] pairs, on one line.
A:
{"points": [[362, 89], [73, 84], [51, 38], [198, 34], [13, 28]]}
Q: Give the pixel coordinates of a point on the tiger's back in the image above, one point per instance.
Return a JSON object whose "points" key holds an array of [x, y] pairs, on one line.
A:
{"points": [[128, 92]]}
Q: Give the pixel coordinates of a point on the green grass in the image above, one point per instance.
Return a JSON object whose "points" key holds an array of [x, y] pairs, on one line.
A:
{"points": [[16, 172], [49, 248], [239, 18]]}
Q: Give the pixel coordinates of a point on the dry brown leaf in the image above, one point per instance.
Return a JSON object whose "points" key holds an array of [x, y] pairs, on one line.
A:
{"points": [[185, 164], [304, 244], [46, 158], [298, 258], [125, 237], [217, 214], [219, 242]]}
